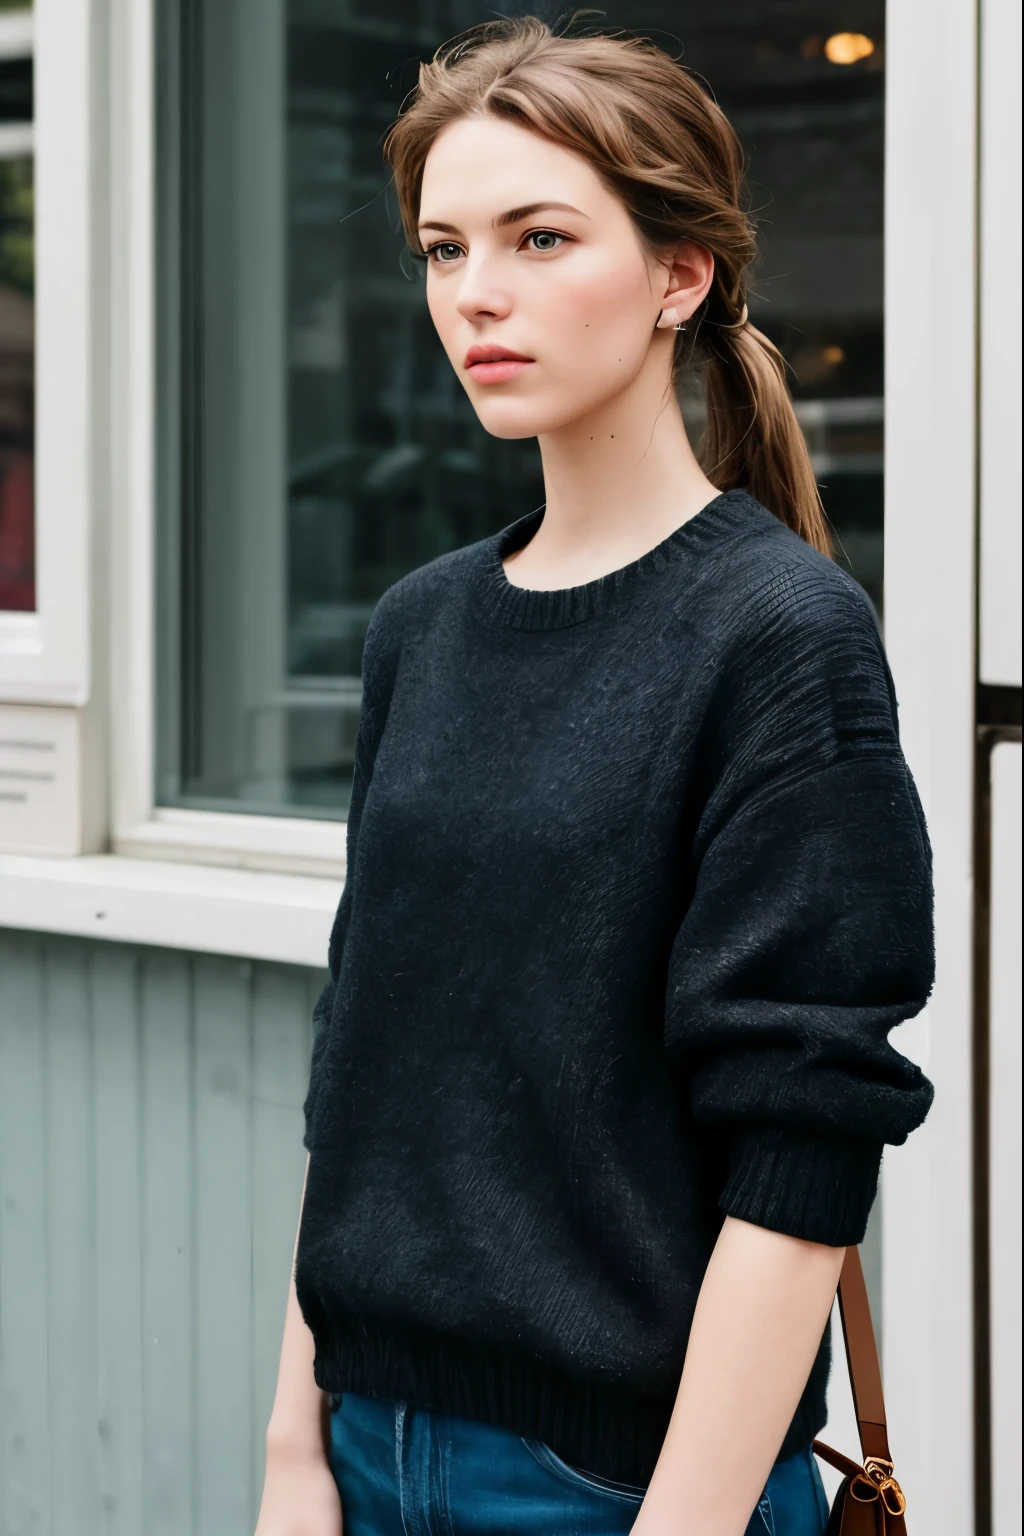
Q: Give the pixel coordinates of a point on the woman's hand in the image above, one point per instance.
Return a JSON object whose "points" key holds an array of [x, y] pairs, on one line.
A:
{"points": [[300, 1496], [760, 1316]]}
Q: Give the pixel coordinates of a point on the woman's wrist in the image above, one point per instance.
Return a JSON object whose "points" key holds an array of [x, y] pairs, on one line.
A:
{"points": [[295, 1437], [674, 1522]]}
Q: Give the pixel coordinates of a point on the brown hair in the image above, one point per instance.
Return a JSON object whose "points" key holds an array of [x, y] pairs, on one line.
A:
{"points": [[650, 129]]}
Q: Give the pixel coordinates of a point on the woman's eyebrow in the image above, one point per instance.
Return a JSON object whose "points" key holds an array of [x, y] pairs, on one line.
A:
{"points": [[512, 216]]}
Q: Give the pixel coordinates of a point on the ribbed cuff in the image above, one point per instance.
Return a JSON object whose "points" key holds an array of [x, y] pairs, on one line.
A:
{"points": [[803, 1183]]}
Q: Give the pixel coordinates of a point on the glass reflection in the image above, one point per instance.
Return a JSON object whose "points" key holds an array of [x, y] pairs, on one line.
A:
{"points": [[17, 335]]}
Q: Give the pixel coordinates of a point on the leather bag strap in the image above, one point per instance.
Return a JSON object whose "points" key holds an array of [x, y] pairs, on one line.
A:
{"points": [[862, 1358]]}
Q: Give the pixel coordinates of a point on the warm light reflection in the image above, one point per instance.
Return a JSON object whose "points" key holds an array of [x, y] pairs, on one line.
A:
{"points": [[848, 47], [833, 355]]}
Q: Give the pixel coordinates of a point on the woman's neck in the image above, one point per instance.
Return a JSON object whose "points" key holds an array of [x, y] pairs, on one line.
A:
{"points": [[617, 483]]}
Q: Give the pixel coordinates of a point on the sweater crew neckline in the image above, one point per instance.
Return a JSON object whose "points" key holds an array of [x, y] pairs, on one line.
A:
{"points": [[504, 603]]}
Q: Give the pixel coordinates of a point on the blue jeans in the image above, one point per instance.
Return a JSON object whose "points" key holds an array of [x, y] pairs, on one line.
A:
{"points": [[405, 1470]]}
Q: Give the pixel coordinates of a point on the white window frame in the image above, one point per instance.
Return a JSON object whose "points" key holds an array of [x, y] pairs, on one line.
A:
{"points": [[141, 827], [45, 657], [87, 654]]}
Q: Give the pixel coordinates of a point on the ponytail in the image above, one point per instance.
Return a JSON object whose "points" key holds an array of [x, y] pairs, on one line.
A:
{"points": [[752, 437], [650, 129]]}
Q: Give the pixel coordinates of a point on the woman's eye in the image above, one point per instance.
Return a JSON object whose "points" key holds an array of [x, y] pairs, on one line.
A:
{"points": [[545, 239], [445, 250]]}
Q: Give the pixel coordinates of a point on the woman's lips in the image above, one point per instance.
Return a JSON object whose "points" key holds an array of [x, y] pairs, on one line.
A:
{"points": [[498, 371], [494, 365]]}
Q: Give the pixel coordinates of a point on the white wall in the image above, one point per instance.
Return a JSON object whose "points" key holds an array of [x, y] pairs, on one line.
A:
{"points": [[1005, 1139], [953, 359], [999, 618], [930, 626], [999, 663]]}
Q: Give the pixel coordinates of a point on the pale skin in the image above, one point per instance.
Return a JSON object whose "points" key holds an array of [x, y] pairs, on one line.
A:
{"points": [[300, 1496], [572, 290]]}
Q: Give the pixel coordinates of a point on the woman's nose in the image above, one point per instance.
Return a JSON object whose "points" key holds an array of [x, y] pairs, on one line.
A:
{"points": [[481, 294]]}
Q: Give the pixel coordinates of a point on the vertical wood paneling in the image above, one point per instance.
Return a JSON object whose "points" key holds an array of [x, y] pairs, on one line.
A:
{"points": [[168, 1250], [150, 1172], [70, 1218], [222, 1089], [280, 1054], [117, 1080], [24, 1343]]}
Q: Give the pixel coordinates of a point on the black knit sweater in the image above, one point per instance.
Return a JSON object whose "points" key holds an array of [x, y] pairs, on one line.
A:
{"points": [[638, 884]]}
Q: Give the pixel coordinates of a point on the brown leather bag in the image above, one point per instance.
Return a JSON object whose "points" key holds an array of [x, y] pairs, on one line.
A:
{"points": [[870, 1501]]}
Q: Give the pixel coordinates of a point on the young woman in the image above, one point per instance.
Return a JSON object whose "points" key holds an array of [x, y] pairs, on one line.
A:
{"points": [[638, 881]]}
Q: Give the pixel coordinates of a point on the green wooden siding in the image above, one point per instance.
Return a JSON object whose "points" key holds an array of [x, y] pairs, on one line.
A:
{"points": [[150, 1173]]}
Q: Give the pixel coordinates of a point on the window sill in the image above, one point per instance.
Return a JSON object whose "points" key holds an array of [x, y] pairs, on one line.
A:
{"points": [[283, 845], [259, 916]]}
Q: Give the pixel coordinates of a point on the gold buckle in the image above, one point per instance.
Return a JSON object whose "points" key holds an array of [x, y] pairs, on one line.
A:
{"points": [[877, 1482], [892, 1496], [863, 1489]]}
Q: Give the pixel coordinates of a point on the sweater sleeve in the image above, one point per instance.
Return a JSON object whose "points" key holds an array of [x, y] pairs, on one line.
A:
{"points": [[808, 934], [378, 664]]}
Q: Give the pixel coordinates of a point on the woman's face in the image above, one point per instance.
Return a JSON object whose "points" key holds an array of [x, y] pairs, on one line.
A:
{"points": [[532, 259]]}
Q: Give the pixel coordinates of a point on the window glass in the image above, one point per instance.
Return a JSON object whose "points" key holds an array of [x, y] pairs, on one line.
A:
{"points": [[17, 328], [315, 443]]}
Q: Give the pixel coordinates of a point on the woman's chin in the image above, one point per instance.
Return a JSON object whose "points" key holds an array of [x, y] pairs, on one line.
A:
{"points": [[522, 418]]}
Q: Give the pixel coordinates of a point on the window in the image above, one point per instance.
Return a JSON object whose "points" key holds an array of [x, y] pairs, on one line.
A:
{"points": [[17, 284], [314, 442]]}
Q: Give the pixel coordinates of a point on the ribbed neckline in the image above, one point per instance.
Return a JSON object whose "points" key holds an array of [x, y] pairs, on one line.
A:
{"points": [[503, 602]]}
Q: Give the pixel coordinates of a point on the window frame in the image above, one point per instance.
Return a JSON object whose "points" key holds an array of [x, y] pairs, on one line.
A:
{"points": [[45, 656], [140, 826]]}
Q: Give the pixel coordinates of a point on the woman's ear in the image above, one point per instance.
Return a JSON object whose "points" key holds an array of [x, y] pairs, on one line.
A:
{"points": [[691, 271]]}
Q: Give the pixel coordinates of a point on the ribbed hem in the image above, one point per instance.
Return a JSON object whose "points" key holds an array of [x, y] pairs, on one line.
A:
{"points": [[607, 1429], [602, 1427], [803, 1183]]}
